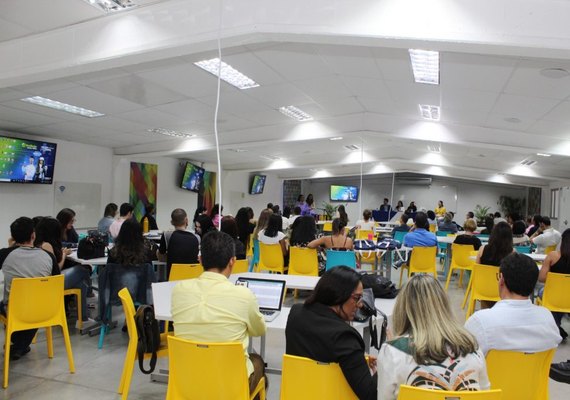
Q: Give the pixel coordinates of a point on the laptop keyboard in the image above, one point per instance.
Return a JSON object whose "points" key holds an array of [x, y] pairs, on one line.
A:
{"points": [[267, 312]]}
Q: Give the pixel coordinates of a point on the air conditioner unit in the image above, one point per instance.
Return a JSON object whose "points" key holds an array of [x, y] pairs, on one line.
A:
{"points": [[413, 181]]}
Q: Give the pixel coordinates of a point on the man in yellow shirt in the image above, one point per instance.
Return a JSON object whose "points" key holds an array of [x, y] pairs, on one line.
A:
{"points": [[212, 309]]}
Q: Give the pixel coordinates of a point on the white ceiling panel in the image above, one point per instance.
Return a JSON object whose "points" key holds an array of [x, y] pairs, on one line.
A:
{"points": [[394, 64], [549, 128], [335, 106], [248, 64], [351, 61], [528, 81], [468, 100], [322, 88], [499, 121], [560, 113], [363, 87], [42, 88], [463, 117], [113, 123], [150, 117], [414, 93], [48, 112], [10, 94], [10, 30], [477, 72], [25, 118], [385, 105], [189, 110], [523, 107], [237, 103], [276, 96]]}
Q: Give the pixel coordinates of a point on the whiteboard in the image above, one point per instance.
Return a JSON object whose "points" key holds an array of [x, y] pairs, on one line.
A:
{"points": [[83, 198]]}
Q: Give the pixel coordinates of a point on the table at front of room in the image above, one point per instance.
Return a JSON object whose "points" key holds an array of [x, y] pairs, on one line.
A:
{"points": [[162, 296]]}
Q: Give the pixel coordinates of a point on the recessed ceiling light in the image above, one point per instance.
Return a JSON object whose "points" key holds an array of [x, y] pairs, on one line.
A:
{"points": [[238, 150], [352, 147], [554, 73], [513, 120], [56, 105], [228, 73], [434, 147], [543, 154], [168, 132], [425, 65], [111, 5], [269, 158], [429, 112], [336, 138], [528, 162], [295, 113]]}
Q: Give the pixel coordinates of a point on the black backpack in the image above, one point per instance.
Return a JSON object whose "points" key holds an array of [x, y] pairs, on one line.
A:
{"points": [[149, 336], [382, 287]]}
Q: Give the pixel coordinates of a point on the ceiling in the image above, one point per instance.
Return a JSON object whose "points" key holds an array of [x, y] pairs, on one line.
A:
{"points": [[496, 111]]}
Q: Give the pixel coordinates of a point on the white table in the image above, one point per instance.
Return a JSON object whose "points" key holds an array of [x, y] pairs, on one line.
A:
{"points": [[534, 256], [93, 261]]}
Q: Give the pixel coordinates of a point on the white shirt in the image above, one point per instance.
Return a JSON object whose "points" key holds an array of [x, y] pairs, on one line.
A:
{"points": [[115, 227], [516, 325], [285, 223], [292, 219], [269, 240], [549, 237], [366, 226]]}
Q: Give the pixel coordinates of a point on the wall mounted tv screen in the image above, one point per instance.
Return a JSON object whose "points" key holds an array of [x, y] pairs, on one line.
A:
{"points": [[344, 193], [193, 177], [26, 160], [257, 184]]}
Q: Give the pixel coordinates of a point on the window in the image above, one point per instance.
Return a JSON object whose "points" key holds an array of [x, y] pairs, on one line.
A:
{"points": [[554, 197]]}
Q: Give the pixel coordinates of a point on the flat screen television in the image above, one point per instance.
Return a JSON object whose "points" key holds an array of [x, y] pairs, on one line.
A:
{"points": [[26, 160], [344, 193], [193, 177], [257, 184]]}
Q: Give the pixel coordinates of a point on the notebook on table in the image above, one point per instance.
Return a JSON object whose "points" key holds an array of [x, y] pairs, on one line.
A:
{"points": [[269, 294]]}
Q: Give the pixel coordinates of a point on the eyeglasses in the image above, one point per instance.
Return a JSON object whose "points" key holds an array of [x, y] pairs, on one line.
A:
{"points": [[357, 297]]}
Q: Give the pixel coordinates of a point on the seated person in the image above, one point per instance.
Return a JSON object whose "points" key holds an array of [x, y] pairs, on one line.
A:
{"points": [[432, 219], [337, 241], [489, 224], [423, 353], [318, 329], [304, 231], [131, 248], [212, 309], [447, 224], [440, 210], [296, 214], [179, 246], [519, 236], [403, 227], [468, 237], [419, 236], [367, 223], [149, 216], [273, 234], [125, 213], [203, 225], [229, 226], [514, 323], [108, 218], [545, 236], [245, 225], [412, 208], [66, 218]]}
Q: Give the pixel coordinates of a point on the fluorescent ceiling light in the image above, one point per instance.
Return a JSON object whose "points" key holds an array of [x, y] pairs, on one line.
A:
{"points": [[425, 65], [295, 113], [168, 132], [111, 5], [238, 150], [429, 112], [434, 147], [336, 138], [228, 73], [543, 154], [269, 158], [528, 163], [56, 105], [352, 147]]}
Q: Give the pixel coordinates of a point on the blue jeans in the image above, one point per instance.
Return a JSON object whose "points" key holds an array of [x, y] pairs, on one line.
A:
{"points": [[77, 277]]}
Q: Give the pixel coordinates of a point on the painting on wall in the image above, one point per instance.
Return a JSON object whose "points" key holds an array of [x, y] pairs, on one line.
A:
{"points": [[142, 189], [207, 194]]}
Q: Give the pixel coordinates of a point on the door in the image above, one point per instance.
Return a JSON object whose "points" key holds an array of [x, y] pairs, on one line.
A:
{"points": [[564, 209]]}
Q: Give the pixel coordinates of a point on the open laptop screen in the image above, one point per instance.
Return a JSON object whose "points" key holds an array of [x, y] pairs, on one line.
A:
{"points": [[269, 293]]}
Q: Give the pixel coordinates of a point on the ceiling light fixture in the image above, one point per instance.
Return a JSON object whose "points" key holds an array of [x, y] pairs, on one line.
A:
{"points": [[238, 150], [527, 162], [295, 113], [56, 105], [228, 73], [352, 147], [336, 138], [111, 5], [425, 65], [434, 147], [429, 112], [543, 154], [269, 158], [168, 132]]}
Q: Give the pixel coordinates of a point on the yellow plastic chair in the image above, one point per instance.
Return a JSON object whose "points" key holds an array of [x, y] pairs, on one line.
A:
{"points": [[132, 356], [249, 249], [303, 378], [77, 294], [433, 228], [271, 258], [364, 234], [483, 285], [460, 260], [303, 261], [194, 371], [423, 260], [180, 272], [240, 266], [327, 227], [521, 376], [414, 393], [555, 296], [36, 303], [549, 249]]}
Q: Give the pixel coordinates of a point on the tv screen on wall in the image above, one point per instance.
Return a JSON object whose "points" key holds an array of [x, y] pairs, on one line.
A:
{"points": [[257, 184], [193, 177], [26, 160], [344, 193]]}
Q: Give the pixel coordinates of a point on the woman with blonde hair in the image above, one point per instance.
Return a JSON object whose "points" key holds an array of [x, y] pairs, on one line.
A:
{"points": [[431, 349]]}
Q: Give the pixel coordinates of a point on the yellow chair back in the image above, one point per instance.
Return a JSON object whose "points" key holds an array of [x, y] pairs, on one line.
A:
{"points": [[484, 285], [414, 393], [364, 234], [180, 272], [460, 259], [194, 371], [423, 260], [303, 261], [303, 378], [37, 303], [240, 266], [549, 249], [433, 228], [521, 376], [271, 258], [249, 250], [327, 227], [556, 290]]}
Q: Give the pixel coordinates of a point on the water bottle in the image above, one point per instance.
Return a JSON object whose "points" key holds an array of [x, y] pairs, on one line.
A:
{"points": [[145, 225]]}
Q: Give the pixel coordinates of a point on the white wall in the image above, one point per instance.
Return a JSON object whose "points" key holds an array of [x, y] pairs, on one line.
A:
{"points": [[75, 162], [236, 192], [458, 196]]}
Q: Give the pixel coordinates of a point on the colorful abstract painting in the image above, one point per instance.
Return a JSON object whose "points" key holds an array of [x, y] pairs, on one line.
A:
{"points": [[142, 189], [207, 195]]}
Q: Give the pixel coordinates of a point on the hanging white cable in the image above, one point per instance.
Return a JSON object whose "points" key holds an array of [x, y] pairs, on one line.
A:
{"points": [[361, 161], [392, 195], [216, 117]]}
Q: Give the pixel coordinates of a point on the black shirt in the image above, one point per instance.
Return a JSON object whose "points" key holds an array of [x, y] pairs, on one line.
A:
{"points": [[468, 239], [316, 332], [182, 247], [562, 266]]}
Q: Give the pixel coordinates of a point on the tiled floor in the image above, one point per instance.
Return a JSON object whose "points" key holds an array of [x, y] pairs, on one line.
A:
{"points": [[98, 371]]}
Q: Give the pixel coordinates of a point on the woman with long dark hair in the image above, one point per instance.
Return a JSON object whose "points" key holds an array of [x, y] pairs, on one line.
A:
{"points": [[66, 218], [203, 225], [318, 329], [215, 214], [229, 226], [244, 225], [500, 245], [130, 246], [304, 231], [342, 215], [337, 241], [273, 234]]}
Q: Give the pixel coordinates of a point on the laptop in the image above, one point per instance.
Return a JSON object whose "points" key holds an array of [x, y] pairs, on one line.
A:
{"points": [[269, 294]]}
